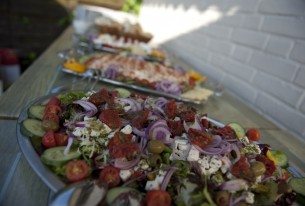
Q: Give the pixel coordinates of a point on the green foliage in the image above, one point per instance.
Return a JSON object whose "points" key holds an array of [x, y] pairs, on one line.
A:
{"points": [[132, 6]]}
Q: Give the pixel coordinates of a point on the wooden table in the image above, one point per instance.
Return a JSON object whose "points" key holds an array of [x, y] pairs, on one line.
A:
{"points": [[19, 185]]}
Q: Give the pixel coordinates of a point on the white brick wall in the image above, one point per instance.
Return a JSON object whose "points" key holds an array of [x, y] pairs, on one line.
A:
{"points": [[256, 48]]}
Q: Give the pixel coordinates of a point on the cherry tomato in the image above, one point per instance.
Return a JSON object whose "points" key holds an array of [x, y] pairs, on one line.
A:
{"points": [[54, 101], [111, 176], [171, 109], [199, 138], [111, 118], [176, 127], [253, 134], [48, 139], [158, 197], [61, 139], [52, 109], [50, 122], [77, 170]]}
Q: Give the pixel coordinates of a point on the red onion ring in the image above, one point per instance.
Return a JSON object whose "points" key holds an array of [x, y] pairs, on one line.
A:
{"points": [[196, 125], [168, 87], [237, 151], [68, 147], [111, 72], [161, 102], [121, 164], [167, 177], [138, 132], [135, 106], [90, 108]]}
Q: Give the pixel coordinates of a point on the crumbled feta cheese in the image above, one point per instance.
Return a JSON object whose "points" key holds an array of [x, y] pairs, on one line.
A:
{"points": [[193, 154], [230, 176], [110, 135], [89, 118], [251, 149], [127, 129], [244, 140], [160, 177], [177, 119], [258, 179], [143, 165], [95, 133], [152, 185], [249, 197], [184, 135], [225, 164], [210, 165], [180, 149], [125, 174], [127, 108]]}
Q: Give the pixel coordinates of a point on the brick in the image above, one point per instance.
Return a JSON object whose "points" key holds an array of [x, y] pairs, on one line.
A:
{"points": [[300, 77], [279, 46], [302, 107], [242, 5], [279, 67], [278, 88], [281, 112], [219, 31], [237, 69], [282, 7], [250, 38], [216, 60], [241, 53], [286, 26], [298, 52], [234, 20], [221, 47], [240, 88], [251, 22]]}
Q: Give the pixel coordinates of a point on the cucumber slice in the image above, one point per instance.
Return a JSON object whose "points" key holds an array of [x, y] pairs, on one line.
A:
{"points": [[55, 156], [113, 193], [36, 112], [32, 128], [278, 157], [123, 93], [239, 131], [36, 142], [298, 185]]}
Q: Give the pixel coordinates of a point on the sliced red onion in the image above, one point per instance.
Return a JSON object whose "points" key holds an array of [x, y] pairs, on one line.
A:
{"points": [[80, 124], [143, 143], [138, 132], [237, 152], [196, 125], [134, 105], [111, 72], [167, 177], [234, 185], [215, 141], [98, 164], [161, 102], [90, 108], [122, 164], [168, 87], [158, 111], [212, 151], [239, 199], [68, 147]]}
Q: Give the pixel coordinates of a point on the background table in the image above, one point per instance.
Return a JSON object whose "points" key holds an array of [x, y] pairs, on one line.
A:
{"points": [[19, 185]]}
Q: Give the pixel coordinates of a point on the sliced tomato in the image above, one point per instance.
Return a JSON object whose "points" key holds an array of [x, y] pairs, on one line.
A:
{"points": [[111, 176], [269, 164], [111, 118], [50, 122], [126, 150], [77, 170], [170, 109], [188, 116], [158, 197], [241, 169], [61, 139], [119, 138], [226, 132], [199, 138], [253, 134], [52, 109], [48, 139], [176, 127], [139, 120], [53, 101]]}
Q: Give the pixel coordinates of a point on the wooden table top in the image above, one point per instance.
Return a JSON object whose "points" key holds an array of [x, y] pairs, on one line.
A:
{"points": [[19, 185]]}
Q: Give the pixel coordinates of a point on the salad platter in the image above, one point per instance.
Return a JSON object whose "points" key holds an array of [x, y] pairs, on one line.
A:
{"points": [[135, 73], [152, 151]]}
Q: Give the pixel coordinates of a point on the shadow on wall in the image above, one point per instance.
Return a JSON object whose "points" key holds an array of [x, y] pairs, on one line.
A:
{"points": [[252, 47]]}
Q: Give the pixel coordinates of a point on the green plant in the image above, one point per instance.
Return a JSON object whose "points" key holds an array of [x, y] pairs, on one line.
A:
{"points": [[132, 6]]}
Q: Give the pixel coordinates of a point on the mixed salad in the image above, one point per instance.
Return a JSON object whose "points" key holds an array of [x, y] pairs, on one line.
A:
{"points": [[154, 151]]}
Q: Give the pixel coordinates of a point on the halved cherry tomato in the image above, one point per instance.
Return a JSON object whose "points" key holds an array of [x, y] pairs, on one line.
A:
{"points": [[54, 101], [176, 127], [52, 109], [77, 170], [48, 139], [253, 134], [111, 176], [111, 118], [171, 109], [158, 197], [199, 138], [61, 139]]}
